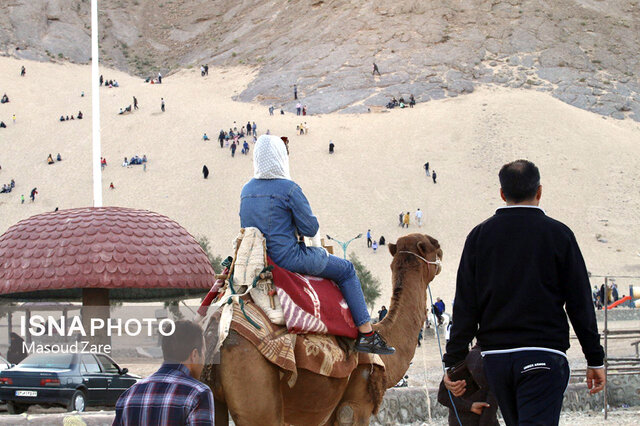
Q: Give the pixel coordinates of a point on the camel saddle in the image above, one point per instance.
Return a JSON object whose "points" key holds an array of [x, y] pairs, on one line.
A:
{"points": [[292, 319]]}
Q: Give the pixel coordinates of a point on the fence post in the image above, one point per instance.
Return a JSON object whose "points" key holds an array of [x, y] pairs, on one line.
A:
{"points": [[606, 333]]}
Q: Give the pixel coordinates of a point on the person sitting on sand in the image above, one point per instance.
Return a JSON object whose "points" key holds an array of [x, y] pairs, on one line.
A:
{"points": [[382, 241], [62, 118], [111, 186], [5, 99], [276, 205], [125, 163], [59, 157], [121, 111], [144, 158], [205, 137], [374, 246], [72, 117], [80, 115], [2, 125], [68, 118], [50, 159], [115, 84]]}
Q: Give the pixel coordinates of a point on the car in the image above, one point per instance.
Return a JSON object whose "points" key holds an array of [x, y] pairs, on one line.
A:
{"points": [[73, 380], [4, 364]]}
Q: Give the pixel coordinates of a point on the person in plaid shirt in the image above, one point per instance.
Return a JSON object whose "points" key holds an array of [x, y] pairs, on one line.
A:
{"points": [[172, 395]]}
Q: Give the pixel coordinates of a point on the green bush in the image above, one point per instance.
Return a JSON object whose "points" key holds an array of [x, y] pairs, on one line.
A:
{"points": [[370, 284], [214, 260]]}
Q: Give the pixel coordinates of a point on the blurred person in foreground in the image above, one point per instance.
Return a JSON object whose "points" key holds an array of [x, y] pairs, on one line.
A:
{"points": [[518, 272], [173, 395]]}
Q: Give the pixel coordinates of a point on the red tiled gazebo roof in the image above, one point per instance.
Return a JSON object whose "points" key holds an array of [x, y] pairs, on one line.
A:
{"points": [[59, 253]]}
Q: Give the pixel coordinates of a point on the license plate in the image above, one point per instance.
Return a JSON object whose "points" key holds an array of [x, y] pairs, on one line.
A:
{"points": [[26, 393]]}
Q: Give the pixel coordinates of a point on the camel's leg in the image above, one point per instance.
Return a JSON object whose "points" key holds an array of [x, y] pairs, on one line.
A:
{"points": [[251, 384], [221, 413], [356, 405]]}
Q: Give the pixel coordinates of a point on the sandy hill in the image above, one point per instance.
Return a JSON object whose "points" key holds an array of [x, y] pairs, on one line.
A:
{"points": [[589, 164], [584, 52]]}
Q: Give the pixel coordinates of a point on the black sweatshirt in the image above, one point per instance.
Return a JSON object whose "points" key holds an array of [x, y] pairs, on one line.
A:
{"points": [[518, 271]]}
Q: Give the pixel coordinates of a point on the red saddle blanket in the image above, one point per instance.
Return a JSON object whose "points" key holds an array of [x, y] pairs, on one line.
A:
{"points": [[312, 304]]}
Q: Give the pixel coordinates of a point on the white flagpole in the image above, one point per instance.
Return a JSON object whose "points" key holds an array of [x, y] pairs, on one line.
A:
{"points": [[95, 107]]}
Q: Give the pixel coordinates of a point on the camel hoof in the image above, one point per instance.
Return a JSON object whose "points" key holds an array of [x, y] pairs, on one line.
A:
{"points": [[345, 415]]}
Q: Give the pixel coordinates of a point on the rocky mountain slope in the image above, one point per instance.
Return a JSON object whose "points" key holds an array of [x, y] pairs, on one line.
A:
{"points": [[585, 52]]}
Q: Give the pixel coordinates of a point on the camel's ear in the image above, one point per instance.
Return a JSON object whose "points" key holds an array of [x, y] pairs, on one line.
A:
{"points": [[392, 249], [422, 248]]}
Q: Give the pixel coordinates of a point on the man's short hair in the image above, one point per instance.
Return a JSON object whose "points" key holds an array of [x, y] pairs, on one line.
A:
{"points": [[186, 337], [519, 180]]}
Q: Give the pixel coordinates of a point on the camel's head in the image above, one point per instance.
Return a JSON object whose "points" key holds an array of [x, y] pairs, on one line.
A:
{"points": [[418, 249]]}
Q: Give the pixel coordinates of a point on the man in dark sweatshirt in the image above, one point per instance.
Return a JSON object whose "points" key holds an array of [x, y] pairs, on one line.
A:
{"points": [[518, 273]]}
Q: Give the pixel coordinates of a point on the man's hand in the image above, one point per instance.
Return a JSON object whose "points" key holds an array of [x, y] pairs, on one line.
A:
{"points": [[457, 388], [477, 407], [595, 380]]}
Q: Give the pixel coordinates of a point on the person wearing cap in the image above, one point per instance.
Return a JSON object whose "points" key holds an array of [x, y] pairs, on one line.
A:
{"points": [[276, 205], [512, 264]]}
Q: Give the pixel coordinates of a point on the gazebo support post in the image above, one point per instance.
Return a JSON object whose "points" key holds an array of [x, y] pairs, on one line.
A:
{"points": [[9, 325], [28, 321], [95, 304]]}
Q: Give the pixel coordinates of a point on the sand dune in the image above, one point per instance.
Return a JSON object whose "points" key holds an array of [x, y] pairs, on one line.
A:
{"points": [[589, 164]]}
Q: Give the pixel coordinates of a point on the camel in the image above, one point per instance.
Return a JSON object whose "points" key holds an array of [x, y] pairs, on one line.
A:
{"points": [[252, 390]]}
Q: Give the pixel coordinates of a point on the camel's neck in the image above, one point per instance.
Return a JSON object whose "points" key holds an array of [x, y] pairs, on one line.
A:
{"points": [[401, 326]]}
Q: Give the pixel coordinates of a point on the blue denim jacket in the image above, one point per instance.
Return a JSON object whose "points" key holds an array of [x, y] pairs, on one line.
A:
{"points": [[277, 207]]}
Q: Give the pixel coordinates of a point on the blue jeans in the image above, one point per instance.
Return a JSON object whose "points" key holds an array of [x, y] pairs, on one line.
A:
{"points": [[344, 274]]}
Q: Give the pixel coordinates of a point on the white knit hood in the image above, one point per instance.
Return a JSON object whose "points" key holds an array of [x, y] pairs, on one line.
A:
{"points": [[270, 158]]}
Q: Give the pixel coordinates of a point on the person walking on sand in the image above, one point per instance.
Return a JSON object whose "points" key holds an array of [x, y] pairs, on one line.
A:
{"points": [[375, 69], [433, 176], [521, 278], [419, 217], [426, 168], [22, 199], [205, 171], [332, 146], [162, 104], [233, 149], [23, 71], [13, 118], [34, 192], [406, 220], [400, 219], [135, 103], [295, 92]]}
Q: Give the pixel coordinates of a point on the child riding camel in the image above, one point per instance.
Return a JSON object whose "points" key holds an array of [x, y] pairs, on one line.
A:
{"points": [[275, 204]]}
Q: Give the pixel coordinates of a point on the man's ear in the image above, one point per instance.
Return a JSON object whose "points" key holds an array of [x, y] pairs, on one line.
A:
{"points": [[502, 195], [392, 249]]}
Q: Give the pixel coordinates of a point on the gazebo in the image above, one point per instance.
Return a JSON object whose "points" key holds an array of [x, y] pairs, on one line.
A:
{"points": [[102, 254]]}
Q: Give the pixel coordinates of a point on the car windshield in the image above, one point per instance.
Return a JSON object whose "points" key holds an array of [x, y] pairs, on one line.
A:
{"points": [[61, 361]]}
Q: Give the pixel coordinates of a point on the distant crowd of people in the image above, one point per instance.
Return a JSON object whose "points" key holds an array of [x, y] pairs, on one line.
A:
{"points": [[404, 218], [51, 161], [108, 83], [8, 187], [401, 103], [373, 244], [133, 161], [80, 116]]}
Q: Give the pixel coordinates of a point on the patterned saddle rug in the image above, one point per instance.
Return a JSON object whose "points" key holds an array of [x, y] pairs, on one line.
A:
{"points": [[320, 354]]}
